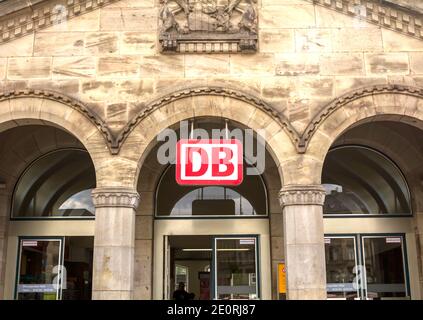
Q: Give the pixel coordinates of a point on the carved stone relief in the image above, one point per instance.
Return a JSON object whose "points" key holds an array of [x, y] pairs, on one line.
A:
{"points": [[208, 26]]}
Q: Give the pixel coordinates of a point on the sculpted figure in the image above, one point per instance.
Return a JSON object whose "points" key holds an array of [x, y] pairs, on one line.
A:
{"points": [[232, 5], [184, 6], [214, 24], [222, 20], [209, 6], [249, 18], [168, 19]]}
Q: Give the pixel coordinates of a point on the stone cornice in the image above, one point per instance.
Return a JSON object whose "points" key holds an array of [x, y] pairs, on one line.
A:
{"points": [[292, 195], [115, 197], [71, 102], [349, 98], [43, 15], [381, 13], [11, 6], [213, 91]]}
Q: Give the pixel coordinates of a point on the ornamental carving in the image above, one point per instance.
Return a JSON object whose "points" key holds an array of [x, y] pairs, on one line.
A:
{"points": [[115, 197], [208, 26], [292, 195], [70, 102], [348, 98]]}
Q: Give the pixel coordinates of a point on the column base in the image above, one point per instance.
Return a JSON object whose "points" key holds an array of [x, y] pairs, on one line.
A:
{"points": [[112, 295], [306, 294]]}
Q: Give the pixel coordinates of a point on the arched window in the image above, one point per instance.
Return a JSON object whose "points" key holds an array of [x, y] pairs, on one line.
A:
{"points": [[246, 200], [362, 181], [56, 185]]}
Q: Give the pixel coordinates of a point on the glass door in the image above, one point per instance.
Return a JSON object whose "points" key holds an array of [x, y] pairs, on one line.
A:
{"points": [[235, 267], [384, 262], [342, 272], [373, 268], [40, 267]]}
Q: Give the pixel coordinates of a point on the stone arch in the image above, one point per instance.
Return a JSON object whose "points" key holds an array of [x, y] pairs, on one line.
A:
{"points": [[38, 107], [386, 102], [137, 138]]}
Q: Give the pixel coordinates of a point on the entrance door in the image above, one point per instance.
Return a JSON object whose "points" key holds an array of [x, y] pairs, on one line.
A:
{"points": [[342, 272], [54, 268], [235, 268], [38, 275], [366, 267], [384, 261], [212, 267]]}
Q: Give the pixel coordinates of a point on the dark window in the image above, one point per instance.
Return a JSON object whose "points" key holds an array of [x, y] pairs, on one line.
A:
{"points": [[58, 184], [360, 180], [174, 200]]}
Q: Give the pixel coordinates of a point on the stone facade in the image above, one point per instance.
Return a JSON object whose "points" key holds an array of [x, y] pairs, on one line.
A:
{"points": [[101, 76]]}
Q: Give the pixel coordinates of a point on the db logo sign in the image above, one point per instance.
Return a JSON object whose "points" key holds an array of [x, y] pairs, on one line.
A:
{"points": [[209, 162]]}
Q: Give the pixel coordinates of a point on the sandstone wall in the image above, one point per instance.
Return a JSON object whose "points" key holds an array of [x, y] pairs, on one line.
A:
{"points": [[308, 55]]}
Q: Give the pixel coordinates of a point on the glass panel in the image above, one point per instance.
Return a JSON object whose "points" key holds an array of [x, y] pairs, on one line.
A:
{"points": [[247, 199], [236, 268], [181, 276], [359, 180], [341, 268], [78, 262], [384, 262], [39, 261], [56, 185]]}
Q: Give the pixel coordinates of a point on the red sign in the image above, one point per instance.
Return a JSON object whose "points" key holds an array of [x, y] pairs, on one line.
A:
{"points": [[209, 162]]}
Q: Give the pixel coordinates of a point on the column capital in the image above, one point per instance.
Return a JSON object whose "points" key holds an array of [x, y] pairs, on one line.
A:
{"points": [[115, 197], [291, 195]]}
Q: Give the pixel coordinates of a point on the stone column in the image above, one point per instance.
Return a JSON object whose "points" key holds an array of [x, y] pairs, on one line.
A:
{"points": [[114, 242], [304, 241]]}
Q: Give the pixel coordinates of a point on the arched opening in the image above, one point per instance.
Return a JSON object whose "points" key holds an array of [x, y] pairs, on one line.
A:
{"points": [[203, 231], [372, 176], [46, 175], [247, 199], [362, 181], [57, 184]]}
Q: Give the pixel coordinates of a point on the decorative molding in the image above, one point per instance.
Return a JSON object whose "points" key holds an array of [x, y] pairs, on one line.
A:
{"points": [[195, 26], [379, 12], [70, 102], [43, 15], [349, 98], [292, 195], [114, 142], [115, 197], [50, 12], [205, 91], [301, 142]]}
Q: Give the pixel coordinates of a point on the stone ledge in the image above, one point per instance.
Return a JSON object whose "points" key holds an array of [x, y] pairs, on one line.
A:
{"points": [[292, 195], [384, 14], [43, 15]]}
